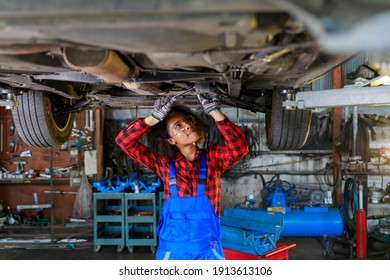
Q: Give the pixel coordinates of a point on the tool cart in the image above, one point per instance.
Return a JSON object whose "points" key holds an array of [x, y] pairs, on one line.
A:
{"points": [[109, 220], [140, 220]]}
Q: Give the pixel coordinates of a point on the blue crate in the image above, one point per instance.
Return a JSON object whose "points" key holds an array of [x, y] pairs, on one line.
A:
{"points": [[111, 185], [250, 231], [143, 184]]}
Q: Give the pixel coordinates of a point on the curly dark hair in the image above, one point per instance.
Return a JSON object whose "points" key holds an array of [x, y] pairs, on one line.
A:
{"points": [[157, 135]]}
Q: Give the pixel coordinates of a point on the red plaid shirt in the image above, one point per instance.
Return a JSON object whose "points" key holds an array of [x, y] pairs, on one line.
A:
{"points": [[219, 158]]}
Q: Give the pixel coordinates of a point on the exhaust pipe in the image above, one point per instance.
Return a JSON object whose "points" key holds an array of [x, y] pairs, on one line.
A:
{"points": [[105, 64], [18, 49]]}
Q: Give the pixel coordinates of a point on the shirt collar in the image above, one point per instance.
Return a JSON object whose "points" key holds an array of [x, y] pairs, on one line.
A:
{"points": [[180, 156]]}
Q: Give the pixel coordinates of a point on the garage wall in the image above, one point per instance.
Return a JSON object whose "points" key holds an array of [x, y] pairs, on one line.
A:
{"points": [[296, 167], [305, 169], [26, 191], [245, 178]]}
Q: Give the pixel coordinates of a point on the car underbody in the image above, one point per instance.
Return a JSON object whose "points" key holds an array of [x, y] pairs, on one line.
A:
{"points": [[64, 58]]}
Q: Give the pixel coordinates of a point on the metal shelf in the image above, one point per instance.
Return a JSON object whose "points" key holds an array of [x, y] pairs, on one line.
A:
{"points": [[125, 219], [108, 223], [64, 180], [140, 220], [379, 205]]}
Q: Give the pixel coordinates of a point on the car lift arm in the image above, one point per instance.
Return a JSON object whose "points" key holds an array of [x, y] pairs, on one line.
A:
{"points": [[368, 94]]}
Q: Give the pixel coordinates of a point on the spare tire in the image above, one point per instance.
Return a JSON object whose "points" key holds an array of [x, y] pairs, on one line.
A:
{"points": [[286, 129], [38, 119]]}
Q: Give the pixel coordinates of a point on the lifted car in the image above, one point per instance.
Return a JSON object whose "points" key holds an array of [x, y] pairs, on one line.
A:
{"points": [[59, 58]]}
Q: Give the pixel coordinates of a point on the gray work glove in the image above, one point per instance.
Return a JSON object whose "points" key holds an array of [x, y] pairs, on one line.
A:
{"points": [[162, 107], [209, 101]]}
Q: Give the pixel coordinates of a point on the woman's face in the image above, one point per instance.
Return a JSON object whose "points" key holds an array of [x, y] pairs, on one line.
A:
{"points": [[182, 129]]}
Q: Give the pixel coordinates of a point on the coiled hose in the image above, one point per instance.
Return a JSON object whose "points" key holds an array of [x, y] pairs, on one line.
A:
{"points": [[350, 205]]}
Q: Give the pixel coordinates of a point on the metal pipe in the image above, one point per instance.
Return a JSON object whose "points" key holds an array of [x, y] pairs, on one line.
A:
{"points": [[341, 97], [17, 49], [312, 173], [51, 196], [105, 64], [355, 130], [1, 135]]}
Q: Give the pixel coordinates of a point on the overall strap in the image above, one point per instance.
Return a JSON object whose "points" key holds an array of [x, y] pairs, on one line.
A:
{"points": [[172, 179], [201, 179], [202, 173]]}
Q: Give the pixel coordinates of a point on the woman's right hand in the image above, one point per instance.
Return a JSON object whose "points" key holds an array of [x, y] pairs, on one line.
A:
{"points": [[162, 107]]}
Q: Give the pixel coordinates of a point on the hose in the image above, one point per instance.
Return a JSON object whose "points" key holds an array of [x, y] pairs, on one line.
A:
{"points": [[330, 168], [350, 205]]}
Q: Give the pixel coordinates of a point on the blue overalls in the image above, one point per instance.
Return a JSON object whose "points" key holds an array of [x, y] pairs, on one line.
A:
{"points": [[189, 228]]}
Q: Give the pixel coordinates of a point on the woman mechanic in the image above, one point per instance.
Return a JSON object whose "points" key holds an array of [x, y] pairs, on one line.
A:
{"points": [[189, 226]]}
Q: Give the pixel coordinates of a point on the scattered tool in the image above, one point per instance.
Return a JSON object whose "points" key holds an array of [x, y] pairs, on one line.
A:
{"points": [[18, 144], [11, 219], [37, 217], [26, 153], [81, 134], [19, 166], [60, 192], [4, 169]]}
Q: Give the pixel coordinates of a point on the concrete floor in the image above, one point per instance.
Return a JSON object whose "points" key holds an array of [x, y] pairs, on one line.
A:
{"points": [[11, 247]]}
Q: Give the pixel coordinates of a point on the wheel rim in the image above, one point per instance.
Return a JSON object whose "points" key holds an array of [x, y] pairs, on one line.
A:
{"points": [[59, 123]]}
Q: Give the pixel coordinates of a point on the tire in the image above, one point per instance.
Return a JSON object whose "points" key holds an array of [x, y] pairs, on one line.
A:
{"points": [[36, 122], [286, 129]]}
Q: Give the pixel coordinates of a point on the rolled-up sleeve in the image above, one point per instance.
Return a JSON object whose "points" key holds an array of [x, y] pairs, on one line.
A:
{"points": [[128, 140], [235, 148]]}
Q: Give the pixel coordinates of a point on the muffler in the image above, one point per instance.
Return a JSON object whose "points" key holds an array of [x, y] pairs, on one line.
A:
{"points": [[105, 64]]}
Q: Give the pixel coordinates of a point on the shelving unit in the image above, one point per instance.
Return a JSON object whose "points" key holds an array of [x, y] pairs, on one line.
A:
{"points": [[160, 204], [125, 219], [38, 180], [108, 226], [140, 220], [379, 205]]}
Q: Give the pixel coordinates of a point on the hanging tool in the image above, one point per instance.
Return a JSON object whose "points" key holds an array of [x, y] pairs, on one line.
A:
{"points": [[18, 144], [26, 153], [81, 134], [1, 135], [3, 168], [11, 145], [11, 219], [89, 123], [12, 128], [86, 120]]}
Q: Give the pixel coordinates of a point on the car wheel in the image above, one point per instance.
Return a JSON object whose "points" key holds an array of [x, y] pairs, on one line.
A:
{"points": [[286, 129], [38, 122]]}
